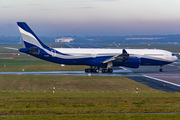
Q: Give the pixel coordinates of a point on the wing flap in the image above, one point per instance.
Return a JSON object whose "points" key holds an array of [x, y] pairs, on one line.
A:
{"points": [[122, 56]]}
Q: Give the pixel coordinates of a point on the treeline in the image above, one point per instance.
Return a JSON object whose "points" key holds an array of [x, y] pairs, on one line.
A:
{"points": [[102, 39]]}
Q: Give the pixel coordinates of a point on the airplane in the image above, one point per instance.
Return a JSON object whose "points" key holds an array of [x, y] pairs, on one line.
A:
{"points": [[95, 58]]}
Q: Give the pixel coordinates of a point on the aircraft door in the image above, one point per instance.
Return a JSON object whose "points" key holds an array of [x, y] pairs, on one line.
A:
{"points": [[53, 52], [93, 53], [138, 54]]}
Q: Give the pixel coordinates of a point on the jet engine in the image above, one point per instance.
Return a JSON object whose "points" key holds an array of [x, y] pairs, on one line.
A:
{"points": [[33, 50], [133, 62]]}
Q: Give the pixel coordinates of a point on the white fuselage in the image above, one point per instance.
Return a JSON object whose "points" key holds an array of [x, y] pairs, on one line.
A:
{"points": [[154, 54]]}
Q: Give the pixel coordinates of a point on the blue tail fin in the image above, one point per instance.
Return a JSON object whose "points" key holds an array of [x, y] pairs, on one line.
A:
{"points": [[29, 38]]}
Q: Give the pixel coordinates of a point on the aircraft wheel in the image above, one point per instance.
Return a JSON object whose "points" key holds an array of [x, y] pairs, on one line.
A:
{"points": [[110, 70], [87, 70], [97, 71], [107, 70], [104, 70], [160, 70]]}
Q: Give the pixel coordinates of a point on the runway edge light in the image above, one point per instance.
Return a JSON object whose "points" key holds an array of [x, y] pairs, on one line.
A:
{"points": [[53, 89]]}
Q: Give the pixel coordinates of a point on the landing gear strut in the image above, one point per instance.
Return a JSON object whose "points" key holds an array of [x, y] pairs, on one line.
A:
{"points": [[107, 70], [92, 70], [161, 69]]}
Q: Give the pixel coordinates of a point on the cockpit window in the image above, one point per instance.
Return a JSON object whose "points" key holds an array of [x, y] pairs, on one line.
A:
{"points": [[173, 55]]}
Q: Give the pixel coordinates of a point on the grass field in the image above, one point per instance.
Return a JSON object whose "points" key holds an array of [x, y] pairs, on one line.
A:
{"points": [[16, 65], [70, 83], [32, 95], [68, 102], [99, 117]]}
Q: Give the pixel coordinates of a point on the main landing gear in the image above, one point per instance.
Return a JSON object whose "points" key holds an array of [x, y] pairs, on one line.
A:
{"points": [[107, 70], [96, 70], [161, 69], [92, 70]]}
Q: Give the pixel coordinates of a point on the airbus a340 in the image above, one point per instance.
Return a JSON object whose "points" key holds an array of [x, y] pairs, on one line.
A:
{"points": [[95, 58]]}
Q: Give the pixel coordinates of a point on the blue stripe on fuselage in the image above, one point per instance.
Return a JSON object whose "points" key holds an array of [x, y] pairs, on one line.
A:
{"points": [[97, 61], [148, 61]]}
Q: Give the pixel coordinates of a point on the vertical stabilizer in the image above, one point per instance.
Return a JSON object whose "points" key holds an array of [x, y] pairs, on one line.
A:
{"points": [[29, 38]]}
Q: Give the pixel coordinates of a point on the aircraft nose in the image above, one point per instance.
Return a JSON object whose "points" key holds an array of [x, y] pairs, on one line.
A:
{"points": [[175, 58]]}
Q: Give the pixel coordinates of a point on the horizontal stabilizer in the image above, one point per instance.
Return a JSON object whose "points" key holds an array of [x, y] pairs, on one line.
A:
{"points": [[11, 48]]}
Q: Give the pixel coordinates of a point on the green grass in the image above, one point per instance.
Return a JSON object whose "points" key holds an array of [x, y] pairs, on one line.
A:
{"points": [[70, 83], [16, 65], [99, 117], [32, 94], [31, 103]]}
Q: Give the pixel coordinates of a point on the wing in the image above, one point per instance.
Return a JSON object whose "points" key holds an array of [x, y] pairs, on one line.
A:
{"points": [[124, 56]]}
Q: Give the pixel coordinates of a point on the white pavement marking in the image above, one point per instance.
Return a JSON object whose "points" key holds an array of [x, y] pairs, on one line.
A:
{"points": [[162, 80]]}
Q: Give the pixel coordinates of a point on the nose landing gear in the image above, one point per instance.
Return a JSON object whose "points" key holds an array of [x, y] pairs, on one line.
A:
{"points": [[161, 69]]}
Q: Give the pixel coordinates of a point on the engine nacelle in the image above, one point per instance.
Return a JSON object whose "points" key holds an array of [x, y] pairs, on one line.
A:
{"points": [[133, 62], [33, 50]]}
